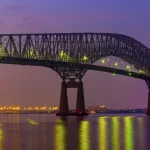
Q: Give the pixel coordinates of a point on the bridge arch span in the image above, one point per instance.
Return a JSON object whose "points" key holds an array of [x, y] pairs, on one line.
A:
{"points": [[122, 46], [53, 50], [115, 63], [75, 47]]}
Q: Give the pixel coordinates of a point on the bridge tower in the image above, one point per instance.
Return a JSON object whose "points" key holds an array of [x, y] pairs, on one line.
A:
{"points": [[148, 107], [72, 78]]}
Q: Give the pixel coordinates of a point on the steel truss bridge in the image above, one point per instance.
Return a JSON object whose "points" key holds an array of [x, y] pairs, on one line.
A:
{"points": [[72, 54]]}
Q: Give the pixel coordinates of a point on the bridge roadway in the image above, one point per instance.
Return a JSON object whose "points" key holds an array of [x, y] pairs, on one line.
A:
{"points": [[51, 64]]}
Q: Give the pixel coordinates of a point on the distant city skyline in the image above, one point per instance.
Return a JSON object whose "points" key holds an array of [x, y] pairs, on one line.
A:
{"points": [[28, 85], [50, 108]]}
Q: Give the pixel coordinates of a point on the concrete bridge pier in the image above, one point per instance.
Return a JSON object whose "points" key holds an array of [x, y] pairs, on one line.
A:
{"points": [[148, 109], [63, 108], [80, 105]]}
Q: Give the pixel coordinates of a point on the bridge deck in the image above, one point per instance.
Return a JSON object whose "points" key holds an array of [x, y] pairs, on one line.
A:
{"points": [[51, 64]]}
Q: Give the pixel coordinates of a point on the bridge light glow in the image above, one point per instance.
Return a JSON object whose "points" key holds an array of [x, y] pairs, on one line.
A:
{"points": [[141, 71], [61, 53], [103, 61], [115, 64], [30, 52], [85, 58], [64, 57], [127, 67], [113, 74], [2, 52], [130, 74]]}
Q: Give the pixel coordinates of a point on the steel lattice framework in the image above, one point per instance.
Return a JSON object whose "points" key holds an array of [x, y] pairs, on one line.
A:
{"points": [[85, 48]]}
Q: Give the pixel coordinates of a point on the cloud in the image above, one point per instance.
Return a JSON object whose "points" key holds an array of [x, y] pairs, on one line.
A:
{"points": [[15, 7]]}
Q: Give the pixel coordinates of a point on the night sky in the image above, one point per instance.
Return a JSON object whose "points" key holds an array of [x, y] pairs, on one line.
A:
{"points": [[25, 85]]}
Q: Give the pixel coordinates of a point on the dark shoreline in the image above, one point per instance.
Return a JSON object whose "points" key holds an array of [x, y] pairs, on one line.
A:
{"points": [[89, 113]]}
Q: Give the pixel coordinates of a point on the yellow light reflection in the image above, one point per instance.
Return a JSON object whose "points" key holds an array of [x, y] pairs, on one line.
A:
{"points": [[102, 127], [115, 133], [128, 133], [1, 137], [104, 117], [84, 141], [30, 121], [60, 136]]}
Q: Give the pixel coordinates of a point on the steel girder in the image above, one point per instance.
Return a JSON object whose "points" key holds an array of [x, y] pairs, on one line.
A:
{"points": [[75, 47]]}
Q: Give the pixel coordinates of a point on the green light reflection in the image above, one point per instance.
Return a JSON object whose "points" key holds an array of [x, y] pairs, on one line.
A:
{"points": [[115, 133], [60, 136], [102, 127], [128, 133], [84, 141]]}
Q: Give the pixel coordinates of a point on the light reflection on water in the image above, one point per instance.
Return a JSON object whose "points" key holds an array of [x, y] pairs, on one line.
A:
{"points": [[1, 137], [61, 135], [48, 132], [115, 133], [102, 131], [128, 133], [84, 141]]}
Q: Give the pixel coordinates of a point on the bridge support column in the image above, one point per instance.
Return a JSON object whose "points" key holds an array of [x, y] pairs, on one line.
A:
{"points": [[63, 108], [148, 108], [80, 105]]}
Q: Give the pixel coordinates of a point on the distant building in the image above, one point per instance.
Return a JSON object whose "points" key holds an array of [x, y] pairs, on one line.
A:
{"points": [[98, 108]]}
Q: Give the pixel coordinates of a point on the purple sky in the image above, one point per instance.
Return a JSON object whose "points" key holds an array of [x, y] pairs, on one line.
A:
{"points": [[25, 85]]}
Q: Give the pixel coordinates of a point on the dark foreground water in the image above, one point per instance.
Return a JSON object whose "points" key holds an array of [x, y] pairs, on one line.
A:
{"points": [[95, 132]]}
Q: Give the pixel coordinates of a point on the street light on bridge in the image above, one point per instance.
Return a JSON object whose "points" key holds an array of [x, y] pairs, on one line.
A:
{"points": [[103, 61]]}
